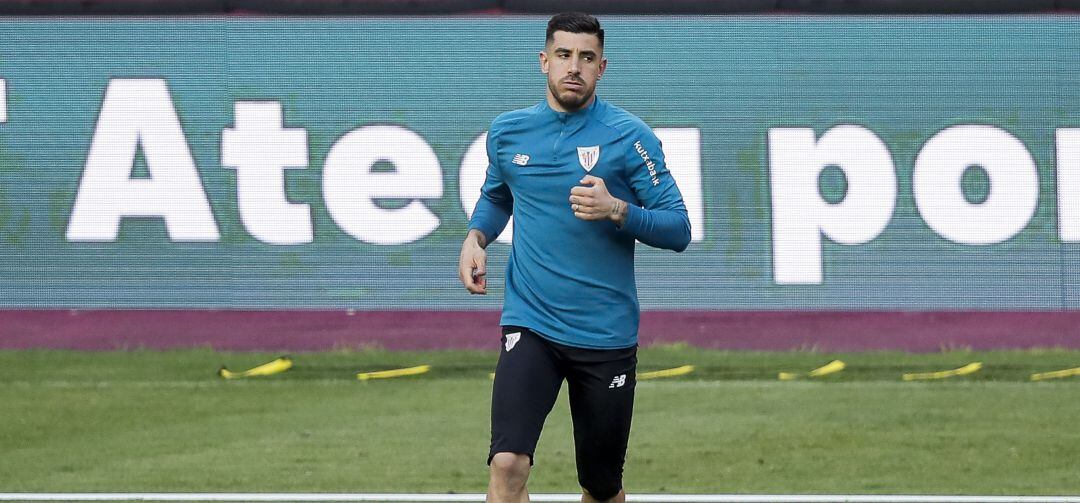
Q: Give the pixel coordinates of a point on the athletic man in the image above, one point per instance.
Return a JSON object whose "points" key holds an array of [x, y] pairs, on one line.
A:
{"points": [[584, 179]]}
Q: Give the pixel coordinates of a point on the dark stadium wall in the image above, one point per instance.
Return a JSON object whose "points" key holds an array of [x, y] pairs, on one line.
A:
{"points": [[853, 182], [439, 7], [918, 6], [313, 330]]}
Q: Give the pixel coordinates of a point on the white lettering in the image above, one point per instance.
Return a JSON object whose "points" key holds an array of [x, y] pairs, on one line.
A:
{"points": [[1068, 184], [1014, 184], [682, 153], [3, 101], [139, 113], [649, 163], [350, 187], [800, 214], [260, 150]]}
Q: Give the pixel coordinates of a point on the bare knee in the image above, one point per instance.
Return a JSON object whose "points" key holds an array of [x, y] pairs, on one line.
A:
{"points": [[510, 469]]}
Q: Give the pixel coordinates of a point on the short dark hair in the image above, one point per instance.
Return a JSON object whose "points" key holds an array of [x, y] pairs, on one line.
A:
{"points": [[574, 22]]}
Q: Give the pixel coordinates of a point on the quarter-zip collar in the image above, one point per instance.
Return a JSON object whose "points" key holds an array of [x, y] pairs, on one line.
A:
{"points": [[572, 117], [568, 122]]}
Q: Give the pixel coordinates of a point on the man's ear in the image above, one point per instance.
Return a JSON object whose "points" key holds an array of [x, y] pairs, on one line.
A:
{"points": [[543, 62], [603, 68]]}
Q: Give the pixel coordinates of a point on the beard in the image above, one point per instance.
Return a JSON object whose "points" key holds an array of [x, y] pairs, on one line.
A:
{"points": [[569, 100]]}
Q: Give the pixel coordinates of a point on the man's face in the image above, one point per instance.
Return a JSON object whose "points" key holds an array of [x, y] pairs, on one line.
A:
{"points": [[573, 63]]}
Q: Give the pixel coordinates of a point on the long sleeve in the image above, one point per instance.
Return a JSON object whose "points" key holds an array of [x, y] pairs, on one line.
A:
{"points": [[662, 220], [496, 202]]}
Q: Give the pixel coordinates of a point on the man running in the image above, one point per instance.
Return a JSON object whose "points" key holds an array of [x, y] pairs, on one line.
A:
{"points": [[584, 180]]}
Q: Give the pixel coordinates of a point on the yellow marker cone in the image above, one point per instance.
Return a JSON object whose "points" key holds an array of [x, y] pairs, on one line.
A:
{"points": [[674, 372], [275, 367], [829, 368], [1057, 374], [970, 368], [387, 374]]}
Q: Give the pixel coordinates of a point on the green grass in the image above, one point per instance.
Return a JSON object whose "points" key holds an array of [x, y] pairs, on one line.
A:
{"points": [[145, 421]]}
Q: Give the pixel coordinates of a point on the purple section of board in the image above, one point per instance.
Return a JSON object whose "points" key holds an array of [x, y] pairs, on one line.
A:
{"points": [[309, 330]]}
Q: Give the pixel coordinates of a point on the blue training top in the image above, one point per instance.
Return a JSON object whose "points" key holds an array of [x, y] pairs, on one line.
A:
{"points": [[572, 280]]}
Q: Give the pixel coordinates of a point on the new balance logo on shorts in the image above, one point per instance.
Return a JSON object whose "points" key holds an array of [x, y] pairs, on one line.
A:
{"points": [[511, 340], [520, 159], [618, 381]]}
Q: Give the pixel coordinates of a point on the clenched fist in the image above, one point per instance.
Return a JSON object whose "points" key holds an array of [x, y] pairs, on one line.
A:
{"points": [[592, 201], [472, 264]]}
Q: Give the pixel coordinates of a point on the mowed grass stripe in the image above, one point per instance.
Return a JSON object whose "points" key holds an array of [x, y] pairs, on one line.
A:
{"points": [[161, 422], [202, 364]]}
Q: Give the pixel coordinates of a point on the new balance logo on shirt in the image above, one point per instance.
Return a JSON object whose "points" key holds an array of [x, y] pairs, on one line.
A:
{"points": [[618, 381], [520, 159]]}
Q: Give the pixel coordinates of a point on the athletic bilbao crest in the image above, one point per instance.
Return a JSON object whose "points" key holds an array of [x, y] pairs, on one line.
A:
{"points": [[587, 156]]}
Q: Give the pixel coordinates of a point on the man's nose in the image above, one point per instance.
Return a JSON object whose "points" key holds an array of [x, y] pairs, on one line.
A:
{"points": [[574, 66]]}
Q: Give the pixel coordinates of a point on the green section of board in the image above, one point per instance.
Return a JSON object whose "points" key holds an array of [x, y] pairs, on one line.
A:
{"points": [[731, 79]]}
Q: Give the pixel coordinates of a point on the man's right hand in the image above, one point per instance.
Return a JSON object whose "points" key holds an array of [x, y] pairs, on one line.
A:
{"points": [[472, 265]]}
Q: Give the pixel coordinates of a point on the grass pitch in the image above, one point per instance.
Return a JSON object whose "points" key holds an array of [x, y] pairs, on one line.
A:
{"points": [[146, 421]]}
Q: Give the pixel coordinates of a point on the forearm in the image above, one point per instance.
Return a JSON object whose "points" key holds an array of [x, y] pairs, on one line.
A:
{"points": [[477, 236], [660, 228], [618, 212], [489, 219]]}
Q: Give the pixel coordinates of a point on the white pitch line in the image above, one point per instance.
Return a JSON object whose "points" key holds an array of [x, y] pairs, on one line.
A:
{"points": [[429, 497]]}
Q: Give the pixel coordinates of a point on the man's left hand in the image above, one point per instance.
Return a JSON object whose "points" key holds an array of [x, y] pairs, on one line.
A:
{"points": [[592, 201]]}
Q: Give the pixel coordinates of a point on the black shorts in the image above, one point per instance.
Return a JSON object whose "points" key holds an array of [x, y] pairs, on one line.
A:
{"points": [[601, 384]]}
